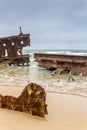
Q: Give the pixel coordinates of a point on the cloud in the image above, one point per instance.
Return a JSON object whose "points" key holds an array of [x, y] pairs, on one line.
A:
{"points": [[53, 24]]}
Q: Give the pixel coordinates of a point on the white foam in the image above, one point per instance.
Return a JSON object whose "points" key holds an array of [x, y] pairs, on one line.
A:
{"points": [[67, 53]]}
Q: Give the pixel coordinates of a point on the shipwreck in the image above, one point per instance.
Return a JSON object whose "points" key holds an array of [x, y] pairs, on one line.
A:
{"points": [[32, 100], [11, 50], [62, 63]]}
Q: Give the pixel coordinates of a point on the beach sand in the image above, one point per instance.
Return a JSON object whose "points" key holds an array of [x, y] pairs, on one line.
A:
{"points": [[65, 112]]}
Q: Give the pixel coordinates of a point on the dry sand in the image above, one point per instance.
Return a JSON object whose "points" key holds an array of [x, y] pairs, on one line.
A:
{"points": [[66, 112]]}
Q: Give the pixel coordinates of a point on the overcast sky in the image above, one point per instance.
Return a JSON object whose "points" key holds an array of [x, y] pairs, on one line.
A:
{"points": [[52, 24]]}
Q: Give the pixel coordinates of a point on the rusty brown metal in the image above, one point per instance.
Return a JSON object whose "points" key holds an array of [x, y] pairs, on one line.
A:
{"points": [[31, 100], [11, 48], [77, 64]]}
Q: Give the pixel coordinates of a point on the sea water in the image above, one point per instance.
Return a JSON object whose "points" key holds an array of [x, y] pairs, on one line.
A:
{"points": [[20, 76]]}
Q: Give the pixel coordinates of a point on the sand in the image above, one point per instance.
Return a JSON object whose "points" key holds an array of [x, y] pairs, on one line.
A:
{"points": [[66, 112]]}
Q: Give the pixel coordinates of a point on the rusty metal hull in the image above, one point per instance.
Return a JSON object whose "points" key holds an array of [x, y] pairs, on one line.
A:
{"points": [[77, 64], [11, 49]]}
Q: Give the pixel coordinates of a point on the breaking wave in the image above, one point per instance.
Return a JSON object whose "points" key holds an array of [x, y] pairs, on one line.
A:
{"points": [[21, 76], [82, 53]]}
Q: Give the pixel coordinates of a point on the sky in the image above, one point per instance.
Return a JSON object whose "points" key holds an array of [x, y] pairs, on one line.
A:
{"points": [[52, 24]]}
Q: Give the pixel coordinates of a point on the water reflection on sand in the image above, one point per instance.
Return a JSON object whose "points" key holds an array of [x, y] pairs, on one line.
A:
{"points": [[20, 76]]}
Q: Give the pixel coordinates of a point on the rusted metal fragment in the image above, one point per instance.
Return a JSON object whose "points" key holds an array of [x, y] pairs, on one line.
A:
{"points": [[76, 64], [11, 48], [0, 99], [32, 100]]}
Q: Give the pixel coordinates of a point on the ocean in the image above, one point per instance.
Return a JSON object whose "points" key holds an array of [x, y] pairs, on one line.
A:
{"points": [[20, 76]]}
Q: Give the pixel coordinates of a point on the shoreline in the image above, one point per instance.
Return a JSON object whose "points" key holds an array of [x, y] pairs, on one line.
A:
{"points": [[65, 112], [67, 93], [18, 76]]}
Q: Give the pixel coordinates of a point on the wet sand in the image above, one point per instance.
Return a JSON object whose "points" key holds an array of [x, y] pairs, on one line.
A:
{"points": [[65, 112]]}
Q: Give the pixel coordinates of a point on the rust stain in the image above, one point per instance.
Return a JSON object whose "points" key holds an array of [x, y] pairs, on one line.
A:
{"points": [[76, 64], [11, 48]]}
